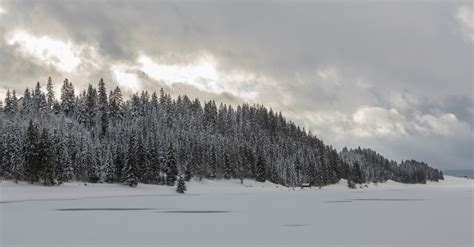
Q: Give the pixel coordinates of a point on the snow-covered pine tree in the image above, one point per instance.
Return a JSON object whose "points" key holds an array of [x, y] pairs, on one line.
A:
{"points": [[130, 170], [171, 167], [7, 109], [181, 185], [46, 156], [109, 166], [103, 108], [12, 161], [14, 103], [26, 108], [50, 94], [356, 174], [115, 105], [227, 167], [32, 153], [11, 103], [91, 106], [260, 169], [67, 98]]}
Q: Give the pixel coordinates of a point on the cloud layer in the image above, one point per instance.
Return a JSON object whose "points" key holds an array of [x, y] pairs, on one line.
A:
{"points": [[396, 77]]}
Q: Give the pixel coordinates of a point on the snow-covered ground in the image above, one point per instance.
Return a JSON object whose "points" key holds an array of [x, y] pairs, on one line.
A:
{"points": [[227, 213]]}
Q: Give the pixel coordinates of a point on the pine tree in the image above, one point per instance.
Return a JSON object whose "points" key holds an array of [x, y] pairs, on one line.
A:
{"points": [[187, 174], [212, 164], [67, 98], [32, 153], [171, 168], [181, 185], [103, 108], [109, 167], [14, 103], [11, 156], [260, 169], [39, 101], [47, 172], [227, 168], [356, 174], [49, 94], [91, 106], [11, 103], [66, 172], [115, 102], [130, 169], [26, 108], [94, 165], [119, 161], [8, 104], [142, 159]]}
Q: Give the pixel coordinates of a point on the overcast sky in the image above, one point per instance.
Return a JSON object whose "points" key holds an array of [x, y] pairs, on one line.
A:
{"points": [[395, 76]]}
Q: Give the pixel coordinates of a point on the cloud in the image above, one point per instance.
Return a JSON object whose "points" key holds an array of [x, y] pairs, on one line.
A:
{"points": [[126, 78], [201, 74], [465, 17], [369, 121], [54, 52], [372, 121]]}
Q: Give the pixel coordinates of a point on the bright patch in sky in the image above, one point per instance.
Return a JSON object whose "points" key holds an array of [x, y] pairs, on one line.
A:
{"points": [[2, 10], [202, 74], [48, 50], [126, 78]]}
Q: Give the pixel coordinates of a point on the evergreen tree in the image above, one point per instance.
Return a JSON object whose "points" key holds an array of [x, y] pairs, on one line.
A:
{"points": [[32, 153], [109, 167], [47, 169], [171, 168], [67, 98], [66, 172], [7, 109], [11, 103], [14, 103], [115, 102], [130, 169], [91, 106], [181, 185], [356, 174], [103, 107], [27, 103], [260, 169], [12, 156], [39, 101], [50, 94], [119, 161], [94, 161], [227, 168]]}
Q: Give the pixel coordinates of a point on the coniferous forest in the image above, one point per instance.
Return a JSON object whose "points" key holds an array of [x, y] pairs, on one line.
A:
{"points": [[99, 135]]}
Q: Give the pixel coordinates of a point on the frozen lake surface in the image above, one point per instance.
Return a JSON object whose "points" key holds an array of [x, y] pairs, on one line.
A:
{"points": [[225, 213]]}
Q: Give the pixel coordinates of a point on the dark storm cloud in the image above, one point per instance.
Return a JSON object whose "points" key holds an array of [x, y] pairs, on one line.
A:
{"points": [[323, 61]]}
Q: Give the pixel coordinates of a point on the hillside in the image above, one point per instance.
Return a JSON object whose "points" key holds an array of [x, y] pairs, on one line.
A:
{"points": [[99, 136]]}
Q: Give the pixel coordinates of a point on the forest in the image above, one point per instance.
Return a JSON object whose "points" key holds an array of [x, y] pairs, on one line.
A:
{"points": [[102, 136]]}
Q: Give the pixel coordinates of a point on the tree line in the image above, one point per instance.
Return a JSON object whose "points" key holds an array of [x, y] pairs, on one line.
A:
{"points": [[98, 135]]}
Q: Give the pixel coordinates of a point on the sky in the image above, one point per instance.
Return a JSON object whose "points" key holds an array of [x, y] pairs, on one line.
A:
{"points": [[394, 76]]}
